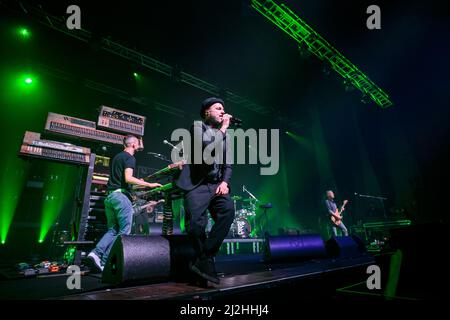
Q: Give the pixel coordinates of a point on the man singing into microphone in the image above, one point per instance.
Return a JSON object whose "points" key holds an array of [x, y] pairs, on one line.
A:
{"points": [[207, 187]]}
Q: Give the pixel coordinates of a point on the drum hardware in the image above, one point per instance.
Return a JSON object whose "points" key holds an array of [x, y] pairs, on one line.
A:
{"points": [[240, 228], [265, 207], [244, 189], [244, 213], [244, 216]]}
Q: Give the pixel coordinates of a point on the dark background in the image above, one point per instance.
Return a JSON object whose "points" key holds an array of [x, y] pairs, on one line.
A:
{"points": [[400, 153]]}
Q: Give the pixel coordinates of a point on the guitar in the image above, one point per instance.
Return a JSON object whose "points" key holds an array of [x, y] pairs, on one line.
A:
{"points": [[149, 206], [336, 221]]}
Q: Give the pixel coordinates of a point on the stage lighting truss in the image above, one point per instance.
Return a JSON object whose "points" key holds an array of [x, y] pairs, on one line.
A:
{"points": [[59, 24], [301, 32]]}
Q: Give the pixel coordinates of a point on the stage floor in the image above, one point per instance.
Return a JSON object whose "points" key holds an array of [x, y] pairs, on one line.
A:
{"points": [[242, 276]]}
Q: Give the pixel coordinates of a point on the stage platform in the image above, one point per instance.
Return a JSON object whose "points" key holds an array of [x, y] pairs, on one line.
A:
{"points": [[243, 276]]}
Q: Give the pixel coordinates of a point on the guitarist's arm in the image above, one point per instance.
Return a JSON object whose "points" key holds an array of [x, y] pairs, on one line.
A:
{"points": [[339, 212], [336, 214], [331, 212]]}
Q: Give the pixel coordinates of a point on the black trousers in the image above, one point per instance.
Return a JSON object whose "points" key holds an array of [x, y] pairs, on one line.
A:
{"points": [[221, 208]]}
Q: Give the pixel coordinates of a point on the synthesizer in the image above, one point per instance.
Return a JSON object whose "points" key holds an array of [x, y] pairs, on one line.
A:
{"points": [[34, 146], [169, 171], [122, 121], [83, 129], [168, 187]]}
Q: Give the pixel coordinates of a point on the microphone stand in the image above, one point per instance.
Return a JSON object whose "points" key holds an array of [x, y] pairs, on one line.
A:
{"points": [[181, 152], [250, 194], [265, 207], [377, 198], [160, 156]]}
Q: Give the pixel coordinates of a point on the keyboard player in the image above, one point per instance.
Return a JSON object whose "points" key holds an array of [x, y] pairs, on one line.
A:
{"points": [[118, 205]]}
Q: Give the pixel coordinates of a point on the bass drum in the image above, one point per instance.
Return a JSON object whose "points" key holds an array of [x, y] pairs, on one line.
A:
{"points": [[240, 228], [244, 213]]}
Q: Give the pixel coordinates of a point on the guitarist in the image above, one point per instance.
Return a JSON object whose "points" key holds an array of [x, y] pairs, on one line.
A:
{"points": [[334, 214]]}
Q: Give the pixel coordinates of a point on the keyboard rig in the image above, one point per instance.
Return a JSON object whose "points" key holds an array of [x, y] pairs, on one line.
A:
{"points": [[88, 221], [35, 147], [83, 129], [121, 121]]}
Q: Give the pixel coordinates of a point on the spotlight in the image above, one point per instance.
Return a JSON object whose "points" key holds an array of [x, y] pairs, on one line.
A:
{"points": [[24, 32], [28, 80]]}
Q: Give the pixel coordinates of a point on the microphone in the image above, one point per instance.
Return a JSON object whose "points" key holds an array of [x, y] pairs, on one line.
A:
{"points": [[167, 142], [155, 154], [235, 121]]}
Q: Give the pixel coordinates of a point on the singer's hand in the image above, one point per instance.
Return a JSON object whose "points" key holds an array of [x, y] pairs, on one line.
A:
{"points": [[222, 188], [225, 122], [154, 185]]}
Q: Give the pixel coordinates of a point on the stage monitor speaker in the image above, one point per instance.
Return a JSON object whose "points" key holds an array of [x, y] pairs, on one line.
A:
{"points": [[345, 247], [296, 247], [155, 229], [136, 257]]}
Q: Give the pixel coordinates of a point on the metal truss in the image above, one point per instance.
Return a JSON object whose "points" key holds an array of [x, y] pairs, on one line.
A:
{"points": [[59, 24], [301, 32]]}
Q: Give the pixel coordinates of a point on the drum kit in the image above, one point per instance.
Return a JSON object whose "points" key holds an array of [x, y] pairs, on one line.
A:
{"points": [[244, 224]]}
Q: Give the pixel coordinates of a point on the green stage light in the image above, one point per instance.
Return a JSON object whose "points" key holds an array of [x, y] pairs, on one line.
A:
{"points": [[55, 195], [24, 32], [26, 80], [41, 240], [11, 184]]}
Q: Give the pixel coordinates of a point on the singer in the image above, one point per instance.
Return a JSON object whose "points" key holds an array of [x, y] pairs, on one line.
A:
{"points": [[207, 187]]}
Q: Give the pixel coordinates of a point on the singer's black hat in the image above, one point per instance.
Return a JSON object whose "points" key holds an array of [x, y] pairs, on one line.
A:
{"points": [[208, 103]]}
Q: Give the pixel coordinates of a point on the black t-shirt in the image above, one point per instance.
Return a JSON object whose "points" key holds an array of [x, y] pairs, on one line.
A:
{"points": [[120, 162]]}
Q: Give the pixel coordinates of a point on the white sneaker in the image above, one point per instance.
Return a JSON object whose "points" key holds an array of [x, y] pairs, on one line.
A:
{"points": [[96, 260]]}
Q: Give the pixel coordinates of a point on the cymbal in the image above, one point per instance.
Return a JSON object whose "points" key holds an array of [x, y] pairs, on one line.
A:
{"points": [[236, 198]]}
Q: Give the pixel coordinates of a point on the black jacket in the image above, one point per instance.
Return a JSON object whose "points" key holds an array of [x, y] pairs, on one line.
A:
{"points": [[192, 174]]}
